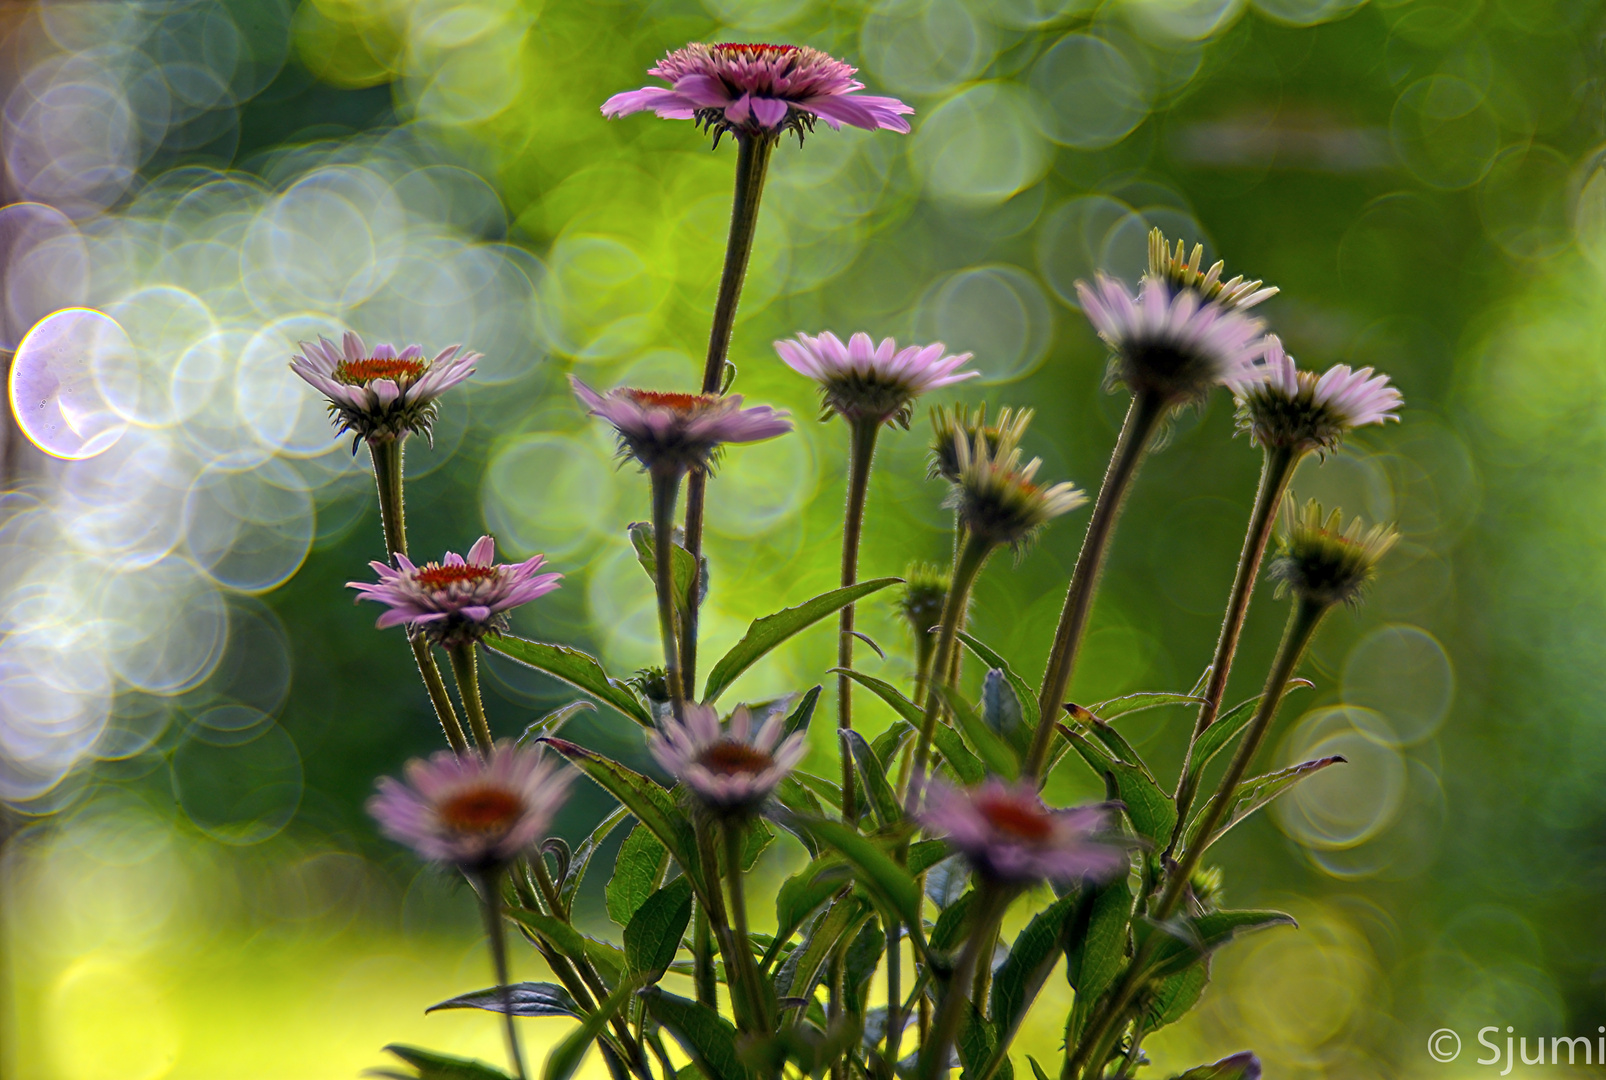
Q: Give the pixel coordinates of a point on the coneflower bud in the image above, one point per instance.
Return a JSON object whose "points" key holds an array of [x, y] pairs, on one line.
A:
{"points": [[1322, 565], [958, 422], [1184, 273], [997, 498], [925, 591], [1302, 411]]}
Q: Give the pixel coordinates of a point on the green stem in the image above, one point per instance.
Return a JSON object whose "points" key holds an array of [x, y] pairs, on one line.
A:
{"points": [[702, 955], [1302, 623], [718, 921], [1277, 468], [665, 490], [861, 455], [465, 669], [894, 990], [491, 889], [752, 166], [386, 456], [991, 904], [742, 943], [1142, 419]]}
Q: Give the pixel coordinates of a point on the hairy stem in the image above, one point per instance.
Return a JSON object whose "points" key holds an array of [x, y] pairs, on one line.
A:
{"points": [[465, 669], [991, 903], [491, 893], [665, 490], [861, 454], [742, 943], [1142, 419], [702, 956], [894, 990]]}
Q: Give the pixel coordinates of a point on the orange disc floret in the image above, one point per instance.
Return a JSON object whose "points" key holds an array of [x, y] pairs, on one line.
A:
{"points": [[728, 757], [359, 372], [1013, 817], [666, 399], [440, 577], [753, 48], [482, 809]]}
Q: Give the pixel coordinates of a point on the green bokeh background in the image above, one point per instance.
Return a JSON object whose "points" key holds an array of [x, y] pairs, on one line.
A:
{"points": [[1418, 177]]}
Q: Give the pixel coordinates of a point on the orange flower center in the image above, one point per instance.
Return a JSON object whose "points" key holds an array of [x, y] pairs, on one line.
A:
{"points": [[664, 399], [358, 372], [754, 48], [440, 577], [728, 757], [482, 809], [1016, 817]]}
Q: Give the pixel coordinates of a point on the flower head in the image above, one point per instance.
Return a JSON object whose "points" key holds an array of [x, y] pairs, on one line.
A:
{"points": [[381, 394], [1007, 835], [1170, 342], [732, 769], [863, 380], [1184, 273], [456, 600], [951, 425], [925, 592], [673, 433], [1321, 564], [1302, 411], [998, 498], [476, 814], [760, 91]]}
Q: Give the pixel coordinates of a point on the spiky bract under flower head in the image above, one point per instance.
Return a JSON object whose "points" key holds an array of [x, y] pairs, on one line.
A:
{"points": [[476, 814], [732, 769], [998, 498], [1182, 272], [1303, 411], [951, 425], [865, 381], [1169, 343], [670, 433], [759, 91], [381, 394], [1008, 836], [925, 591], [1323, 563]]}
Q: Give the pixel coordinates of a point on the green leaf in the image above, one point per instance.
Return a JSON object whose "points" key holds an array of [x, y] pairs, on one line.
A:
{"points": [[951, 746], [565, 1057], [574, 667], [953, 924], [801, 896], [708, 1038], [1017, 981], [1150, 808], [637, 871], [1219, 735], [859, 962], [1189, 939], [891, 741], [976, 1044], [800, 717], [433, 1066], [1140, 702], [552, 721], [653, 936], [1095, 957], [1001, 712], [1037, 1070], [885, 879], [924, 854], [819, 785], [641, 538], [802, 968], [526, 998], [771, 630], [873, 779], [1023, 692], [1254, 793], [884, 690], [581, 859], [563, 937], [1172, 997], [651, 804], [995, 753]]}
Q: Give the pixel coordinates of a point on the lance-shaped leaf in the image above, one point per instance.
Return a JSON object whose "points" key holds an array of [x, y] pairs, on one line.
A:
{"points": [[924, 854], [565, 1057], [801, 895], [947, 881], [553, 721], [1037, 1070], [889, 883], [1151, 809], [884, 690], [1171, 998], [1140, 702], [563, 937], [953, 924], [889, 742], [1243, 1065], [1219, 735], [1187, 940], [708, 1038], [574, 667], [1001, 712], [1016, 983], [653, 936], [581, 859], [966, 765], [641, 538], [434, 1066], [1254, 793], [804, 965], [803, 713], [872, 778], [977, 1043], [1095, 954], [995, 753], [1023, 691], [638, 870], [859, 962], [651, 804], [828, 790], [771, 630], [526, 999]]}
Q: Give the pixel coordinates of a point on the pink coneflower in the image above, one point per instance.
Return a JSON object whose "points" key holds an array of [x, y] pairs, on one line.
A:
{"points": [[383, 394], [863, 380], [672, 433], [1304, 411], [759, 90], [1171, 343], [476, 814], [730, 769], [1008, 836], [456, 600]]}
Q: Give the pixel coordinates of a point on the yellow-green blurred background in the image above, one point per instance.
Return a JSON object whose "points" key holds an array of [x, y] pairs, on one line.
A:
{"points": [[192, 711]]}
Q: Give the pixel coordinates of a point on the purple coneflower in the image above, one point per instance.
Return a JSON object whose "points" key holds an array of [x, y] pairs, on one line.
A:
{"points": [[456, 601], [478, 815], [863, 380], [759, 90], [673, 433], [729, 769], [1008, 836], [383, 394], [1303, 411], [1172, 344]]}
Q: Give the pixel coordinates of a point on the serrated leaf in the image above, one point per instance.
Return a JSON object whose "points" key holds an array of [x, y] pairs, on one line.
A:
{"points": [[906, 709], [434, 1066], [1017, 981], [1001, 712], [802, 714], [653, 936], [953, 923], [966, 765], [1188, 940], [527, 999], [1151, 809], [581, 859], [872, 778], [997, 755], [554, 720], [1023, 692], [890, 883], [574, 667], [708, 1038], [565, 1057], [1172, 997], [976, 1044], [641, 538], [637, 870], [1254, 793], [771, 630], [1219, 735], [1140, 702]]}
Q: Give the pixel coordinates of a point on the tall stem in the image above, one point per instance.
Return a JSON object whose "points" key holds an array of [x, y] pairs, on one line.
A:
{"points": [[665, 490], [861, 454], [465, 668], [966, 566], [718, 920], [1142, 418], [1276, 469], [1302, 624], [991, 903], [742, 944], [491, 890], [702, 956], [752, 166], [894, 989], [386, 456]]}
